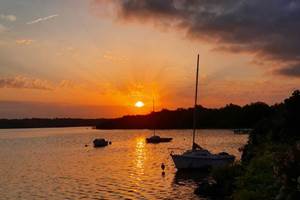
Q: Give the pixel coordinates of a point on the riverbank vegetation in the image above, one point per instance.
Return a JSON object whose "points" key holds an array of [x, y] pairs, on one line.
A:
{"points": [[270, 164]]}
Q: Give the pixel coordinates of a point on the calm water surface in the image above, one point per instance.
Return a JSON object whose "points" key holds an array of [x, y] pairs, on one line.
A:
{"points": [[55, 164]]}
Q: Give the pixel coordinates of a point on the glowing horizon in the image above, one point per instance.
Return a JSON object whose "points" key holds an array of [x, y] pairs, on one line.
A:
{"points": [[102, 55]]}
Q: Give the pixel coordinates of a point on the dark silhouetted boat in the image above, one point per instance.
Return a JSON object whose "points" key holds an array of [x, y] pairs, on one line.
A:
{"points": [[155, 139], [100, 142], [241, 131], [199, 157]]}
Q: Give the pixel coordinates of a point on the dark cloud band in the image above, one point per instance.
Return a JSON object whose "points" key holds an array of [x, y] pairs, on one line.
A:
{"points": [[293, 70], [268, 28]]}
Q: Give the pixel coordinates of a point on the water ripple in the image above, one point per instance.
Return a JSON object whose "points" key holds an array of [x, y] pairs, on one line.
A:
{"points": [[54, 164]]}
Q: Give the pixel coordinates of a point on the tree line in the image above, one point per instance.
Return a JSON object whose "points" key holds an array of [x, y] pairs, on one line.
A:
{"points": [[229, 116]]}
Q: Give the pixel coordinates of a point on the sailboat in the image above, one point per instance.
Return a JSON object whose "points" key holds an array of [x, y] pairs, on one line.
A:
{"points": [[155, 139], [198, 157]]}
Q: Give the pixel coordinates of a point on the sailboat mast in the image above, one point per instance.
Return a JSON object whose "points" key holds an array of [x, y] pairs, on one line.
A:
{"points": [[195, 105], [153, 116]]}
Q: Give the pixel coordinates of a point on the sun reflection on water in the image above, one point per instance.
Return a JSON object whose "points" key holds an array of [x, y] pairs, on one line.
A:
{"points": [[137, 175], [140, 154]]}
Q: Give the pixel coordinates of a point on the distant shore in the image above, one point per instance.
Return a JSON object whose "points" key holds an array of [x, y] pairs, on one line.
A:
{"points": [[229, 117]]}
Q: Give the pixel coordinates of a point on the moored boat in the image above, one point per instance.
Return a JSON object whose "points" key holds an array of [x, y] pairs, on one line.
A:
{"points": [[157, 139], [242, 131], [199, 157], [100, 142]]}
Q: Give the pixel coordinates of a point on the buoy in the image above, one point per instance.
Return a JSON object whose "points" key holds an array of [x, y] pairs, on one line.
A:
{"points": [[162, 166]]}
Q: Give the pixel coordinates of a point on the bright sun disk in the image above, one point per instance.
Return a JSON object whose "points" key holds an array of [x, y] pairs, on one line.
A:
{"points": [[139, 104]]}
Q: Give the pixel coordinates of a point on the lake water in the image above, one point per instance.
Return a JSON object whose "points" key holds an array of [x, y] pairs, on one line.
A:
{"points": [[53, 163]]}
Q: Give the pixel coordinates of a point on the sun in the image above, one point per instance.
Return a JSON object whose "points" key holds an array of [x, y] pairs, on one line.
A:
{"points": [[139, 104]]}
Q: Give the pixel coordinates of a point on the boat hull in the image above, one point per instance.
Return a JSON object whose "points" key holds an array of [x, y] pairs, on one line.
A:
{"points": [[100, 143], [187, 162], [160, 140]]}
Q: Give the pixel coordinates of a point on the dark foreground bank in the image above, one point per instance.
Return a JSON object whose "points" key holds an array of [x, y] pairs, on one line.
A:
{"points": [[270, 165]]}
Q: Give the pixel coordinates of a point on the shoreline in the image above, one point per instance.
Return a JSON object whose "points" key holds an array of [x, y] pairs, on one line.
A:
{"points": [[91, 127]]}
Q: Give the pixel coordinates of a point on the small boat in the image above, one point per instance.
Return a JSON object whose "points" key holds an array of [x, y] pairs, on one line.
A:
{"points": [[155, 139], [199, 157], [241, 131], [100, 142]]}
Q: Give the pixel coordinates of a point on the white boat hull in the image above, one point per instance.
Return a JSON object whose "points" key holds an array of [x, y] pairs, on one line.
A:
{"points": [[189, 162]]}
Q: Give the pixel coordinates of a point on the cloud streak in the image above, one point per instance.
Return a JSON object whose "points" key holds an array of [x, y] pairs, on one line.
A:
{"points": [[22, 82], [42, 19], [267, 29], [24, 42], [292, 70], [10, 18]]}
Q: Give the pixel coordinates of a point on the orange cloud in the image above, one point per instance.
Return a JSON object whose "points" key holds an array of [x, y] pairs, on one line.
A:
{"points": [[23, 82], [24, 41]]}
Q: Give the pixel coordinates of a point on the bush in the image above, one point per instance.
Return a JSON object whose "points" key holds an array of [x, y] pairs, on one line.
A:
{"points": [[258, 180], [225, 177]]}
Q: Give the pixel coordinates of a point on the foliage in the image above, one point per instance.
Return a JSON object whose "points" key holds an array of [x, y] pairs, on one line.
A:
{"points": [[270, 165], [257, 181], [230, 116], [225, 178], [271, 159]]}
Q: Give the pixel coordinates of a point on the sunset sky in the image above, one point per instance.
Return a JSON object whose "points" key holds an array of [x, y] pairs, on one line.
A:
{"points": [[97, 58]]}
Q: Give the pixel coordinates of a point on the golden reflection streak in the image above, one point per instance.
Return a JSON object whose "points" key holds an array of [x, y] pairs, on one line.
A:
{"points": [[140, 154], [138, 169]]}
